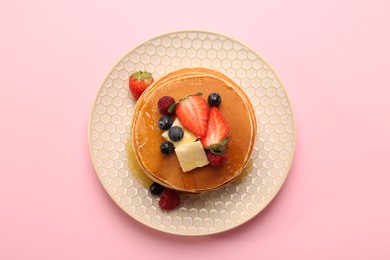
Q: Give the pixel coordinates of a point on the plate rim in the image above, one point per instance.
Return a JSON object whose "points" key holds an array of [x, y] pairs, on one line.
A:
{"points": [[293, 122]]}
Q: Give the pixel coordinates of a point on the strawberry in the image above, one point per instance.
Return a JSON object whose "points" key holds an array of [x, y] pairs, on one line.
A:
{"points": [[192, 112], [138, 82], [217, 131]]}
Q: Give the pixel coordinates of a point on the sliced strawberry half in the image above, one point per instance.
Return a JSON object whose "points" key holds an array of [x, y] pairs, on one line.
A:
{"points": [[217, 129], [192, 112]]}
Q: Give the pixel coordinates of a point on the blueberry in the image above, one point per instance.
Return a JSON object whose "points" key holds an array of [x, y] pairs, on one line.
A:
{"points": [[214, 99], [165, 122], [167, 147], [175, 133], [156, 188]]}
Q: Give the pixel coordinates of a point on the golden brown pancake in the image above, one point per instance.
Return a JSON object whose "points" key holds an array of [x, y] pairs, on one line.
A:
{"points": [[146, 136]]}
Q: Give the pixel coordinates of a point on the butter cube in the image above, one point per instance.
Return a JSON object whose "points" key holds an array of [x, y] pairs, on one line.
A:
{"points": [[188, 136], [191, 156]]}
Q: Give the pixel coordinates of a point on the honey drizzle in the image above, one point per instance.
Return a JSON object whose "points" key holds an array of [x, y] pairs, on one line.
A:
{"points": [[136, 170], [140, 175]]}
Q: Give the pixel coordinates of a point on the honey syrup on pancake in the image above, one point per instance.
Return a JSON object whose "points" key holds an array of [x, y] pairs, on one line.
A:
{"points": [[198, 177], [137, 172]]}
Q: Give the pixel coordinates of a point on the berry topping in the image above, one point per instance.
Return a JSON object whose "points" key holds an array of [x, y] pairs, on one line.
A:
{"points": [[217, 129], [167, 147], [175, 133], [164, 104], [165, 122], [192, 112], [214, 99], [216, 159], [218, 148], [138, 82], [156, 188], [169, 199]]}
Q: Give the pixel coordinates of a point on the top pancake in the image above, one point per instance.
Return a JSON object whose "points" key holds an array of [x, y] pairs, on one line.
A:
{"points": [[146, 136]]}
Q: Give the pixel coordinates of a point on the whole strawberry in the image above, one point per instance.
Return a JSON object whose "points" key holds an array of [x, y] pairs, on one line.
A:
{"points": [[138, 82]]}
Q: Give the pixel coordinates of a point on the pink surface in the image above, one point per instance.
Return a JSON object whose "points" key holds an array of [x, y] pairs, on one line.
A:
{"points": [[333, 58]]}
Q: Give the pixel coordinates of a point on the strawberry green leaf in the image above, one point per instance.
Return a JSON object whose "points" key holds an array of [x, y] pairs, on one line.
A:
{"points": [[197, 94], [218, 148], [142, 75], [172, 108]]}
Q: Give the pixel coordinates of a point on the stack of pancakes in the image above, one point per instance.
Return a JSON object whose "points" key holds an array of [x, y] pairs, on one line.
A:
{"points": [[146, 135]]}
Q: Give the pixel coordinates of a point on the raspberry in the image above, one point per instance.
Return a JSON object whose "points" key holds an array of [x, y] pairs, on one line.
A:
{"points": [[164, 103], [169, 199], [216, 159]]}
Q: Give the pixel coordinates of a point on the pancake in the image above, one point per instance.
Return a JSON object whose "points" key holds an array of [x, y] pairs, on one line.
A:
{"points": [[192, 73], [146, 136]]}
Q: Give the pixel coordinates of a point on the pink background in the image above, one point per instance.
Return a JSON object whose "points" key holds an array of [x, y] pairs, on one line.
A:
{"points": [[333, 58]]}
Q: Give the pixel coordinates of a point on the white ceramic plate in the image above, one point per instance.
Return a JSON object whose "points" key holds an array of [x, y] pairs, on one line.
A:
{"points": [[210, 212]]}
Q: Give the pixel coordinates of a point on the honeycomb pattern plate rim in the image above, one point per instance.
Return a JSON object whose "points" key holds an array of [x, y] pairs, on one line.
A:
{"points": [[210, 212]]}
